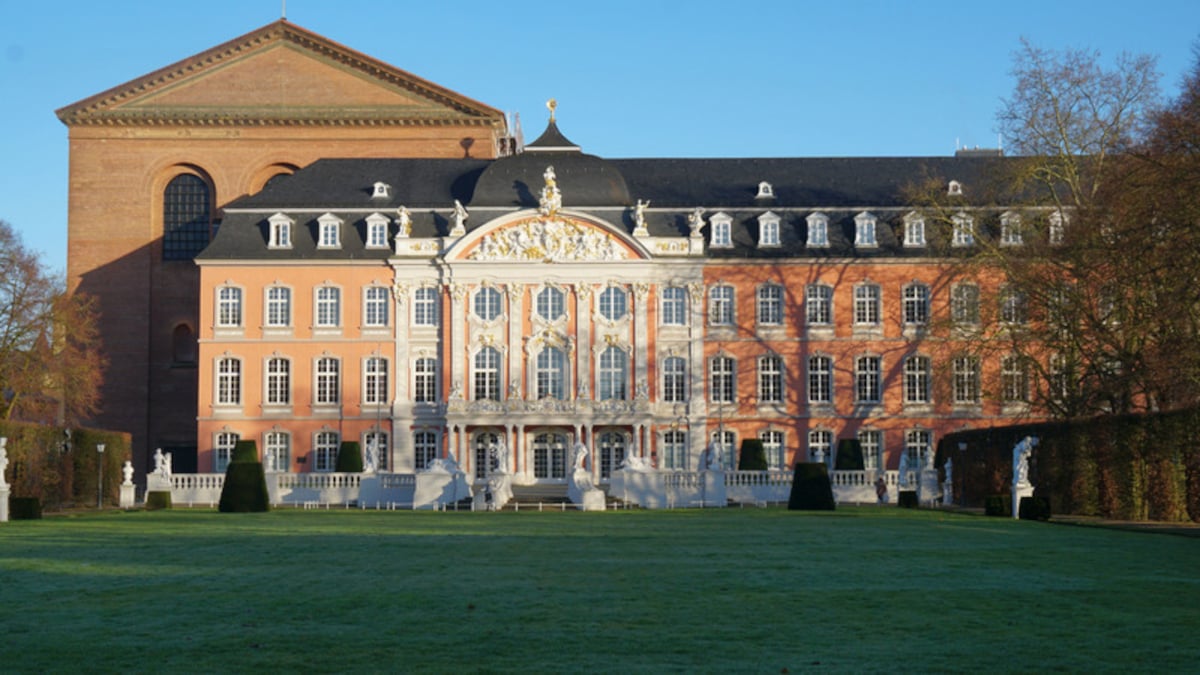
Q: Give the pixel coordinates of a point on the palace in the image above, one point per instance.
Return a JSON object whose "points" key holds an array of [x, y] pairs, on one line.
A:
{"points": [[300, 245]]}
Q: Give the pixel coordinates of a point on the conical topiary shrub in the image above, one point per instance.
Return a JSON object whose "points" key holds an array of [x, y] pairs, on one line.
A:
{"points": [[349, 459], [811, 489], [849, 455], [245, 489], [753, 457]]}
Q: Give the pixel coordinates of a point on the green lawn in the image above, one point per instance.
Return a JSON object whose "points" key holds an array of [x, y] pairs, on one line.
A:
{"points": [[756, 590]]}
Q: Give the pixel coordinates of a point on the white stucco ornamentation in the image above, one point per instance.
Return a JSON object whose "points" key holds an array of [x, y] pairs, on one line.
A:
{"points": [[549, 240]]}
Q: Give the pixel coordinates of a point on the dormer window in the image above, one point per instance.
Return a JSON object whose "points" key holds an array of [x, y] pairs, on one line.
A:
{"points": [[914, 230], [381, 190], [818, 231], [377, 230], [721, 232], [765, 191], [964, 230], [1058, 224], [280, 235], [864, 230], [768, 229], [329, 231], [1010, 229], [954, 188]]}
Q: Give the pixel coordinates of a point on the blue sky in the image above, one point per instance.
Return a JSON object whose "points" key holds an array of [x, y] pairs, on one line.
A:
{"points": [[646, 78]]}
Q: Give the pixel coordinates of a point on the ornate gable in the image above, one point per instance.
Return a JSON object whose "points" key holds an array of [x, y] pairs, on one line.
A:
{"points": [[280, 74], [553, 239]]}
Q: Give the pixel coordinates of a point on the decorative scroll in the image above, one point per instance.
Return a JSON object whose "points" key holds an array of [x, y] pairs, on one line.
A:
{"points": [[548, 240]]}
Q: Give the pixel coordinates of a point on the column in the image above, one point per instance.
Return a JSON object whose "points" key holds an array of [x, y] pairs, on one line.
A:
{"points": [[516, 316], [583, 340]]}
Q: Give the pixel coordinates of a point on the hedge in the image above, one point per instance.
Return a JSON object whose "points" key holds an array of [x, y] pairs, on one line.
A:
{"points": [[811, 488], [849, 455], [245, 489], [62, 471], [349, 458], [753, 456]]}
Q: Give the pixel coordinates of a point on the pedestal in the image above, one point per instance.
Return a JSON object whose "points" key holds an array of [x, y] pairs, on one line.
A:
{"points": [[1020, 490], [437, 488], [927, 487], [713, 493], [127, 496], [4, 490]]}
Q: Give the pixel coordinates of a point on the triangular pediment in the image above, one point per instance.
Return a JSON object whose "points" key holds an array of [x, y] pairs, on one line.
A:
{"points": [[561, 238], [280, 74]]}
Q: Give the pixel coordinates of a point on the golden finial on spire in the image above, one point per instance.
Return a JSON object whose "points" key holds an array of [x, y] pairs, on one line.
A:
{"points": [[552, 105]]}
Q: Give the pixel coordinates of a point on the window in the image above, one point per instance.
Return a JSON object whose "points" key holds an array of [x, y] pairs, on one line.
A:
{"points": [[674, 453], [820, 445], [487, 303], [486, 457], [964, 230], [964, 304], [773, 445], [329, 307], [728, 441], [722, 374], [487, 374], [966, 380], [375, 381], [871, 441], [425, 306], [866, 305], [818, 231], [329, 231], [425, 449], [614, 303], [223, 450], [721, 232], [720, 306], [279, 307], [551, 374], [377, 231], [864, 230], [1014, 379], [866, 379], [1057, 222], [820, 379], [279, 381], [914, 231], [916, 304], [277, 450], [954, 188], [917, 443], [613, 447], [376, 299], [674, 379], [765, 191], [1060, 375], [674, 306], [818, 304], [381, 190], [229, 381], [770, 305], [229, 307], [550, 456], [916, 380], [770, 379], [376, 443], [328, 387], [1014, 307], [187, 217], [1010, 229], [280, 231], [325, 449], [768, 230], [550, 303], [614, 374], [425, 381]]}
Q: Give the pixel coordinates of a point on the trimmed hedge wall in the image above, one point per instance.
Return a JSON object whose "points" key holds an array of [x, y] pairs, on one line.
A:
{"points": [[159, 499], [245, 489], [1130, 467], [61, 472], [811, 488], [753, 456], [849, 455], [24, 508], [349, 458]]}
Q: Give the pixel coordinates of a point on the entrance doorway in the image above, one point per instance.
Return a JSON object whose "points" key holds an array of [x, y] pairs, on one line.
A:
{"points": [[550, 456]]}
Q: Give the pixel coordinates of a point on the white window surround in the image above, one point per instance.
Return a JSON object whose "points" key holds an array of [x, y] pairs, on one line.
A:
{"points": [[964, 230], [818, 230], [230, 306], [954, 188], [377, 231], [768, 230], [381, 190], [377, 301], [280, 235], [865, 230], [327, 307], [425, 306], [1010, 229], [914, 230], [765, 190], [277, 306], [329, 232], [721, 231]]}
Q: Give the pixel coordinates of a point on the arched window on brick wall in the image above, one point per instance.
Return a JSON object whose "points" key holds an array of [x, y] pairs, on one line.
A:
{"points": [[187, 216]]}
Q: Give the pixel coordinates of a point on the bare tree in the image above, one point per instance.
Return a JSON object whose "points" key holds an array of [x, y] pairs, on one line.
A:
{"points": [[50, 366]]}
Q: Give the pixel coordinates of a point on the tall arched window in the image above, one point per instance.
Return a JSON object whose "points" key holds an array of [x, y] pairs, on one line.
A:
{"points": [[187, 217]]}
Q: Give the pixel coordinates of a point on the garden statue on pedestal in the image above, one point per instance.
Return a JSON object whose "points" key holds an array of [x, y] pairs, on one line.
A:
{"points": [[3, 481], [580, 489], [1021, 487]]}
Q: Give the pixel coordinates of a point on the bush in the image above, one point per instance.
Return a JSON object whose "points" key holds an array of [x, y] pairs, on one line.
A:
{"points": [[998, 505], [158, 499], [754, 456], [849, 455], [245, 489], [24, 508], [1034, 508], [349, 459], [811, 489]]}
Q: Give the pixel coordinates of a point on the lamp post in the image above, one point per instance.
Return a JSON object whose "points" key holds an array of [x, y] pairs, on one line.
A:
{"points": [[100, 481]]}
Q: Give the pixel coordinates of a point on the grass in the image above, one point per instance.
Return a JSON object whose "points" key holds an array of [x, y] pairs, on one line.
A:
{"points": [[756, 590]]}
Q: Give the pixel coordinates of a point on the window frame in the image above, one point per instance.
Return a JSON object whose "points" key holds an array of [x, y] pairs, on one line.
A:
{"points": [[769, 305]]}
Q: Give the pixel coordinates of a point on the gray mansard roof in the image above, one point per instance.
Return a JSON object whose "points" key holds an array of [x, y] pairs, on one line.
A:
{"points": [[606, 188]]}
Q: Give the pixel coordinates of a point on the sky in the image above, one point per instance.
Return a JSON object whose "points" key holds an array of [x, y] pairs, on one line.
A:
{"points": [[633, 78]]}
